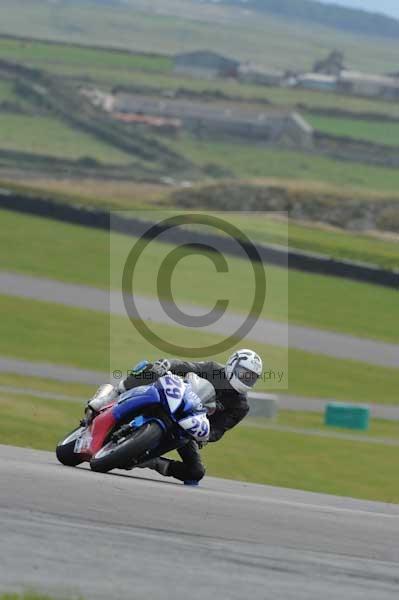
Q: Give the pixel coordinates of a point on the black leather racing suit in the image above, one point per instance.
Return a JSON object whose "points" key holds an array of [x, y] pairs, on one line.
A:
{"points": [[231, 409]]}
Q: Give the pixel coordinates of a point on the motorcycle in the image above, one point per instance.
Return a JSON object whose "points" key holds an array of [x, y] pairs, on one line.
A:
{"points": [[142, 423]]}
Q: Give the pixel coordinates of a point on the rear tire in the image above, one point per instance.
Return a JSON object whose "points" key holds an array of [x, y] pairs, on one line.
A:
{"points": [[65, 450], [120, 455]]}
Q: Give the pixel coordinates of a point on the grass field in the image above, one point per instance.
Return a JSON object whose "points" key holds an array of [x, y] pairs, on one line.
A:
{"points": [[247, 160], [311, 463], [7, 93], [184, 26], [52, 137], [151, 32], [321, 239], [47, 135], [42, 331], [80, 255], [109, 194], [247, 453], [242, 93], [369, 131], [379, 249], [50, 56], [28, 596], [363, 247], [39, 384], [314, 422], [36, 423]]}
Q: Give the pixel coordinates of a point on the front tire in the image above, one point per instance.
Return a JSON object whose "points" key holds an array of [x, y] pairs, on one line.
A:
{"points": [[65, 449], [120, 454]]}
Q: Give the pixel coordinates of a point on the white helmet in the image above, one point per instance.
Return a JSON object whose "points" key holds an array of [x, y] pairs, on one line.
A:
{"points": [[243, 369]]}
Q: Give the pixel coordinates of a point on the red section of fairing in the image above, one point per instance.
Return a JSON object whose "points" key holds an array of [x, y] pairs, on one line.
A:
{"points": [[101, 427]]}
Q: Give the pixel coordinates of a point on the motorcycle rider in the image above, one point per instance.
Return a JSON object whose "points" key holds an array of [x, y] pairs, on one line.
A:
{"points": [[232, 382]]}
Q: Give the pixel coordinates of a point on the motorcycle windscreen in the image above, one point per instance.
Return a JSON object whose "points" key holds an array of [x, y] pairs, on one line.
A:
{"points": [[197, 426]]}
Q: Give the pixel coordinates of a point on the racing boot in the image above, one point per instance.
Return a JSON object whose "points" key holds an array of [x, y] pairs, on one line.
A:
{"points": [[161, 465]]}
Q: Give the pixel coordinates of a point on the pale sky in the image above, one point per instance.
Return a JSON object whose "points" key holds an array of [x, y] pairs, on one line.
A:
{"points": [[389, 7]]}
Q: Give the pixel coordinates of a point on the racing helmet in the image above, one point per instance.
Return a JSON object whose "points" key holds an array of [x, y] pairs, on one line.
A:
{"points": [[204, 390], [243, 369]]}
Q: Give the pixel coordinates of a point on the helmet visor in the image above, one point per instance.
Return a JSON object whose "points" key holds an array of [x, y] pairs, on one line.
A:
{"points": [[249, 378]]}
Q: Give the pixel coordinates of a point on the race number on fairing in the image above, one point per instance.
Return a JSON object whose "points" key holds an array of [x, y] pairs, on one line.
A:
{"points": [[174, 389], [198, 426]]}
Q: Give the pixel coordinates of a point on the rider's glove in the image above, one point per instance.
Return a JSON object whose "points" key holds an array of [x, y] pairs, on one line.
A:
{"points": [[161, 367]]}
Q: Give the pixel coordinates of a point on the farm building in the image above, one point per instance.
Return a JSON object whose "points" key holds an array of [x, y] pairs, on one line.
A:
{"points": [[205, 65], [207, 119], [363, 84], [256, 75], [317, 81]]}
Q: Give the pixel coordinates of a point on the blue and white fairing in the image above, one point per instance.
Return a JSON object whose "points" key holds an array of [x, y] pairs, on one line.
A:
{"points": [[176, 396], [185, 406], [134, 400]]}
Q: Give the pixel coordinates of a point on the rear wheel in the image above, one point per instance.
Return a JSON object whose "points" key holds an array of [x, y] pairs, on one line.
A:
{"points": [[65, 449], [120, 454]]}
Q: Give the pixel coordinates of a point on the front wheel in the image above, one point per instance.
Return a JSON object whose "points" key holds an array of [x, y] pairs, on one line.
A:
{"points": [[121, 453], [65, 449]]}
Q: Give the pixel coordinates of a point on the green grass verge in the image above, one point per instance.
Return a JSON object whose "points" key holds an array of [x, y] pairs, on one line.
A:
{"points": [[81, 255], [379, 428], [311, 463], [246, 453], [369, 248], [40, 384], [49, 136], [40, 331], [370, 131], [250, 160], [321, 239], [34, 422]]}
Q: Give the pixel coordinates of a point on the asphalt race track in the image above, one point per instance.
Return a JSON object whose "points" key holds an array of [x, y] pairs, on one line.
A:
{"points": [[136, 535]]}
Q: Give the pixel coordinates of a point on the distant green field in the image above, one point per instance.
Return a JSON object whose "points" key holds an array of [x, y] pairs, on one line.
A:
{"points": [[27, 596], [42, 331], [81, 255], [184, 26], [51, 56], [7, 93], [369, 131], [247, 160], [47, 135]]}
